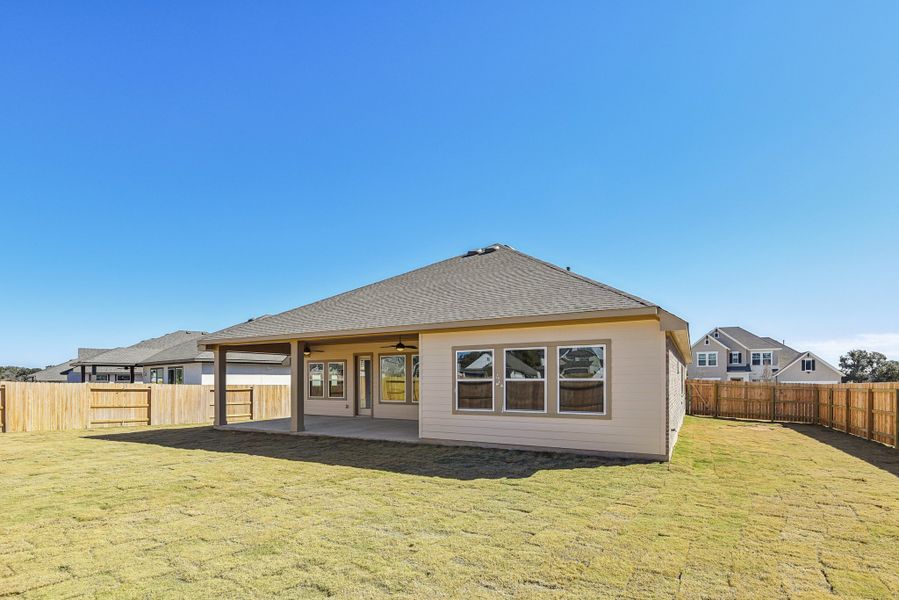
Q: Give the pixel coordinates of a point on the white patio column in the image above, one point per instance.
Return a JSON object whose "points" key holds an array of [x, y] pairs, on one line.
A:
{"points": [[297, 389], [220, 382]]}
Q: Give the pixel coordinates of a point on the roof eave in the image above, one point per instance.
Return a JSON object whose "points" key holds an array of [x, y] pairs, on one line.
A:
{"points": [[614, 314]]}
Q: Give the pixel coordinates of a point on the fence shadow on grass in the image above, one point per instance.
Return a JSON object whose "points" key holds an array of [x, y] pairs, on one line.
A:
{"points": [[449, 462], [880, 456]]}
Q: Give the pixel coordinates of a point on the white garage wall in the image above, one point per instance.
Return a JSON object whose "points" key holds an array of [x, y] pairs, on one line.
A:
{"points": [[249, 374]]}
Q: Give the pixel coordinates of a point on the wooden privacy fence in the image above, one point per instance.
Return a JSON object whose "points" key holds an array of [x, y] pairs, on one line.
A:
{"points": [[28, 406], [868, 410]]}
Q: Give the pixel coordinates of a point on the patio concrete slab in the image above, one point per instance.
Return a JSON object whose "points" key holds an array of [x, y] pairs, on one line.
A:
{"points": [[362, 428]]}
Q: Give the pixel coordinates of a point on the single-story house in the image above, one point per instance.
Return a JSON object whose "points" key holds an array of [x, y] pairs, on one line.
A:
{"points": [[66, 372], [491, 348], [174, 358]]}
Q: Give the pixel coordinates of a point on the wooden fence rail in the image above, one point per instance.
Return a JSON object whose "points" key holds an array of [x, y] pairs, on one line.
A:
{"points": [[867, 410], [36, 406]]}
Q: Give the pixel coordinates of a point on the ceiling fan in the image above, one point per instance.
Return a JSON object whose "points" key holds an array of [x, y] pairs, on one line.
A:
{"points": [[400, 346], [307, 350]]}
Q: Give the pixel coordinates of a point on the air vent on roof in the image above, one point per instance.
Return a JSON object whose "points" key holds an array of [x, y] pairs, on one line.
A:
{"points": [[479, 251]]}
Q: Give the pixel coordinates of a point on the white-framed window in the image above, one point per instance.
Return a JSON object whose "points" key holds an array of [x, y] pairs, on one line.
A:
{"points": [[582, 380], [736, 358], [101, 377], [808, 365], [316, 372], [336, 379], [474, 380], [157, 375], [525, 380], [123, 378], [762, 358], [393, 378], [707, 359]]}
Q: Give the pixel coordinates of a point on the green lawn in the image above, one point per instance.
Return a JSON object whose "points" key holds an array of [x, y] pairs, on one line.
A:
{"points": [[743, 510]]}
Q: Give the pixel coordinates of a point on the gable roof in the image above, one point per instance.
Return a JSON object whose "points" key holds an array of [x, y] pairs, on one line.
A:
{"points": [[60, 372], [749, 340], [496, 282], [723, 342], [187, 351], [53, 373], [808, 354], [133, 355]]}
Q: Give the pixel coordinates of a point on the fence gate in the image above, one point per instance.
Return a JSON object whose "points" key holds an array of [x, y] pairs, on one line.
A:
{"points": [[112, 407], [240, 405]]}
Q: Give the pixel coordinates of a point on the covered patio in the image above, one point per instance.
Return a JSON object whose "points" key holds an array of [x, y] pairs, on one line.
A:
{"points": [[361, 428], [363, 387]]}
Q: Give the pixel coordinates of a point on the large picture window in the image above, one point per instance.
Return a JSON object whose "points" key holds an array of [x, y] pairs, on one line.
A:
{"points": [[393, 378], [316, 380], [525, 379], [582, 375], [474, 380], [156, 376], [336, 375]]}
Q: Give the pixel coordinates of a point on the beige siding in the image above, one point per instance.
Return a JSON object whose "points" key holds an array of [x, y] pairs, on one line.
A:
{"points": [[636, 401], [677, 396], [718, 372], [821, 374], [346, 406]]}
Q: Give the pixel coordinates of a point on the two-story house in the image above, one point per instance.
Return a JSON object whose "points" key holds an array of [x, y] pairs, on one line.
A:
{"points": [[734, 354]]}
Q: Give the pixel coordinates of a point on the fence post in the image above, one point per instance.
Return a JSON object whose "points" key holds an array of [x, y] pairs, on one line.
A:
{"points": [[896, 422], [716, 399], [830, 409], [848, 411], [149, 405], [817, 420], [773, 400], [869, 414], [3, 408]]}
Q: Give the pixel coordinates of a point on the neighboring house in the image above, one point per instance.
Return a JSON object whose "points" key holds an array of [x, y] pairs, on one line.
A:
{"points": [[494, 348], [67, 373], [174, 358], [734, 354]]}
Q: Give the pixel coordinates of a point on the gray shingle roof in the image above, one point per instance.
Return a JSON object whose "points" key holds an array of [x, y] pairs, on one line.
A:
{"points": [[59, 373], [786, 355], [132, 355], [749, 340], [54, 373], [188, 352], [498, 283]]}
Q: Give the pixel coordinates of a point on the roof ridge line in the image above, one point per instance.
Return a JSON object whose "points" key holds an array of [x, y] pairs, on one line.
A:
{"points": [[583, 278]]}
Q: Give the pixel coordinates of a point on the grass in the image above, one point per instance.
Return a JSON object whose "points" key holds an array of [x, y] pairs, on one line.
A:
{"points": [[743, 510]]}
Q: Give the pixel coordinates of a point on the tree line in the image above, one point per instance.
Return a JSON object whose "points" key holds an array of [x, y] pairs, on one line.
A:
{"points": [[10, 373], [864, 366]]}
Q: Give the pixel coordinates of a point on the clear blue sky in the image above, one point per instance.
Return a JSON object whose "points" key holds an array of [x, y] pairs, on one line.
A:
{"points": [[190, 165]]}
